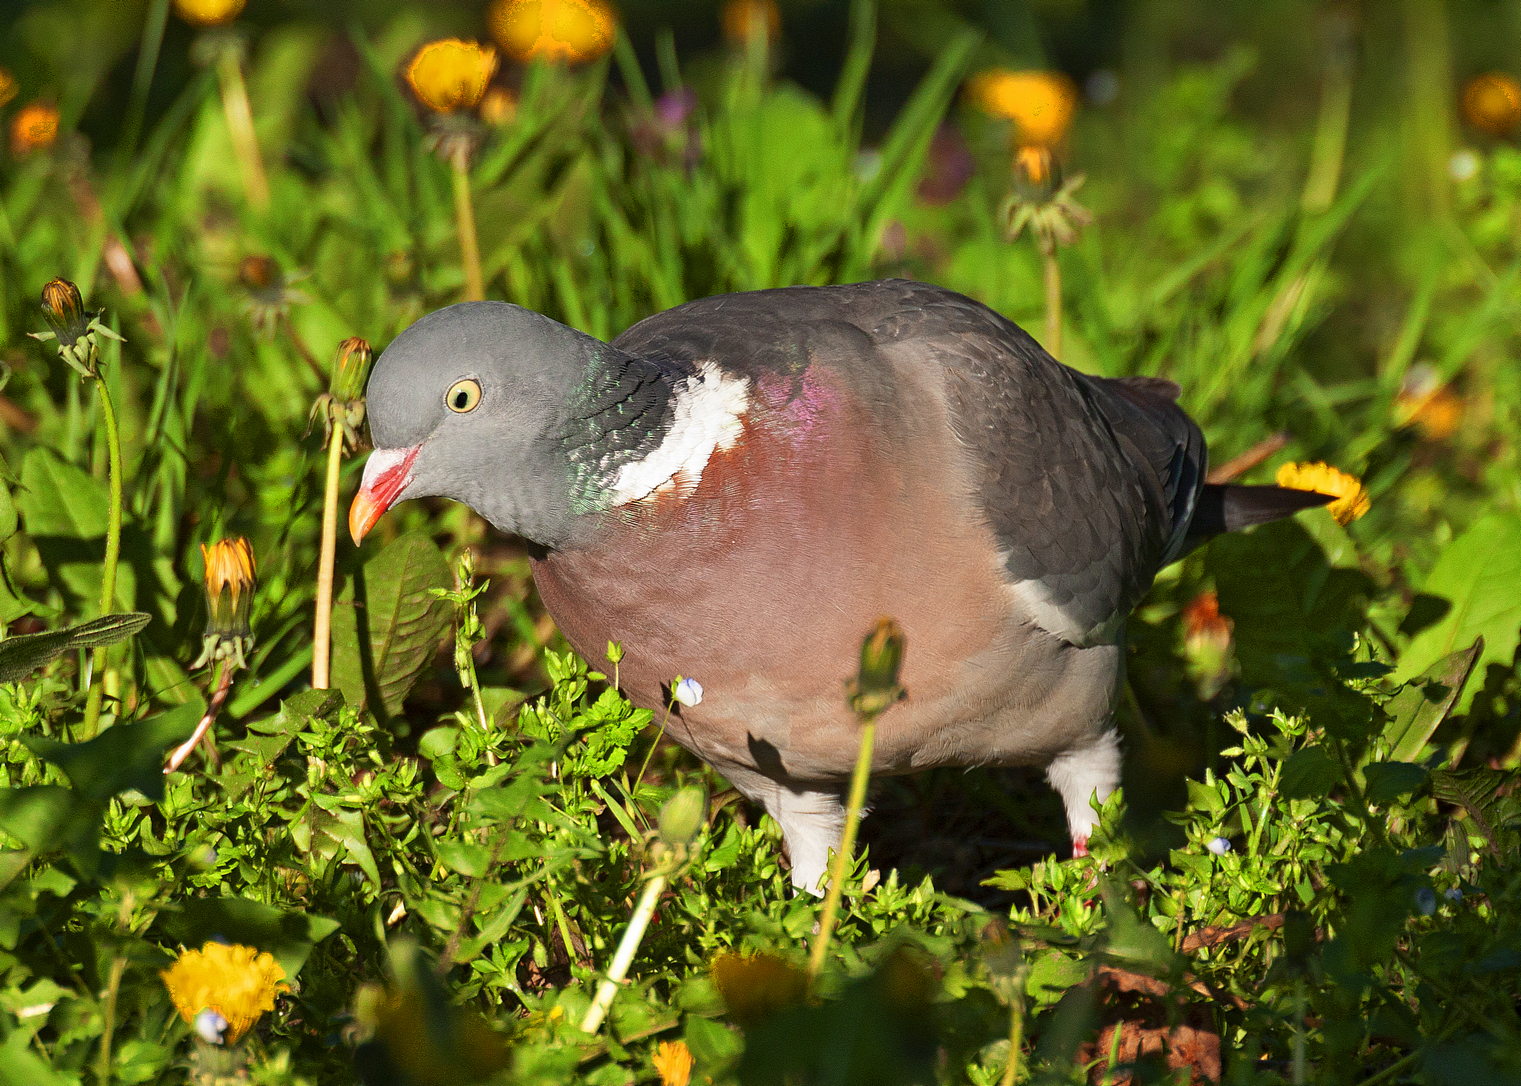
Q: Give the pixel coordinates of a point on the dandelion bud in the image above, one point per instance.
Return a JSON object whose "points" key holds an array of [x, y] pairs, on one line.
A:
{"points": [[351, 369], [258, 272], [673, 1063], [63, 309], [876, 685], [682, 816], [230, 584], [744, 18]]}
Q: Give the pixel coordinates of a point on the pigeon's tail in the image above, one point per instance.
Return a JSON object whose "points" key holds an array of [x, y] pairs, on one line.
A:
{"points": [[1225, 507]]}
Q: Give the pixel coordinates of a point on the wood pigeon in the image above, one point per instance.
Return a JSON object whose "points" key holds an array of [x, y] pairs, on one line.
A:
{"points": [[737, 488]]}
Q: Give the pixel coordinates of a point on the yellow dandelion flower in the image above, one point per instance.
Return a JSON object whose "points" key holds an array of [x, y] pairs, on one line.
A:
{"points": [[8, 86], [673, 1061], [1040, 104], [34, 128], [573, 31], [741, 18], [1351, 499], [756, 986], [449, 74], [237, 982], [208, 12], [1492, 102]]}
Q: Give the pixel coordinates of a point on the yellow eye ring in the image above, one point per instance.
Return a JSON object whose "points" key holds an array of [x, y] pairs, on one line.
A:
{"points": [[463, 396]]}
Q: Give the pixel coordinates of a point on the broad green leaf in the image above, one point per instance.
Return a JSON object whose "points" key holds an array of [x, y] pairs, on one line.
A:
{"points": [[125, 756], [1309, 774], [1285, 599], [21, 1066], [1480, 574], [20, 656], [387, 624], [1418, 710], [64, 509], [1387, 781], [289, 936]]}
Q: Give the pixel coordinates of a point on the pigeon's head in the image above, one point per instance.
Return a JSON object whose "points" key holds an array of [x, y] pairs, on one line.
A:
{"points": [[470, 403]]}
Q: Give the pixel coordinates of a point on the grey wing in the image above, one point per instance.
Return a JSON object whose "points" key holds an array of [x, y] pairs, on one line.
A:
{"points": [[1087, 483]]}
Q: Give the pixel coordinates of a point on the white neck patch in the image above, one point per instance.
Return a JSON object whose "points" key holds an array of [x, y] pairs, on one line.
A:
{"points": [[708, 409]]}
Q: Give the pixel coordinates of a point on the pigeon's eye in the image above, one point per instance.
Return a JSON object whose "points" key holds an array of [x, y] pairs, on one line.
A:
{"points": [[463, 395]]}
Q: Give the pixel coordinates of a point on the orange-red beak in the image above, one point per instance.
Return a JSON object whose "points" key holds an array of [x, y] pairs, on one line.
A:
{"points": [[386, 474]]}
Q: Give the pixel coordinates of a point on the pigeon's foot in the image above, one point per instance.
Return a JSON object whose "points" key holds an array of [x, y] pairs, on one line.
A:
{"points": [[1079, 846]]}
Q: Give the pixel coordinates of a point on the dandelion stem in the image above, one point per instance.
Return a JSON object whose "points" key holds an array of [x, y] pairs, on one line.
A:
{"points": [[322, 628], [240, 125], [224, 687], [1053, 278], [464, 214], [625, 954], [843, 854], [1017, 1035], [113, 553], [108, 1017]]}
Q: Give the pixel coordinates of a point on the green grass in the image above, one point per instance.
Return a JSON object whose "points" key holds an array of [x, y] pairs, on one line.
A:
{"points": [[481, 857]]}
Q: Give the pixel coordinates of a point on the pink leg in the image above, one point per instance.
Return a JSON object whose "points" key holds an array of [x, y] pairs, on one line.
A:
{"points": [[1079, 847]]}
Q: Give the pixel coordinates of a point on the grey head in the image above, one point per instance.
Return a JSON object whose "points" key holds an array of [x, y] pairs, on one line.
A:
{"points": [[506, 410]]}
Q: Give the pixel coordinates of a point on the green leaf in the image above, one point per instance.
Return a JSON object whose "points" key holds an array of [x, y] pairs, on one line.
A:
{"points": [[20, 656], [1480, 574], [1309, 774], [65, 510], [288, 935], [1387, 781], [1417, 711], [1286, 600], [387, 624], [123, 757], [21, 1066]]}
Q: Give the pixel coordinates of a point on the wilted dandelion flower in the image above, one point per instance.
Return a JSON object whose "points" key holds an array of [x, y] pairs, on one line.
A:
{"points": [[230, 583], [1040, 104], [270, 294], [756, 986], [208, 12], [1492, 102], [741, 18], [1351, 499], [8, 86], [450, 74], [238, 983], [673, 1062], [34, 128], [572, 31]]}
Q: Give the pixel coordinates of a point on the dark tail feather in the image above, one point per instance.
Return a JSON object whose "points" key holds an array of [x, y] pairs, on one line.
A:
{"points": [[1225, 507]]}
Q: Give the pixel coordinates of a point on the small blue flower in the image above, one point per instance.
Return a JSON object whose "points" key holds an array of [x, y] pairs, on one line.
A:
{"points": [[1218, 845], [1453, 894], [688, 692], [1425, 901], [210, 1026]]}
